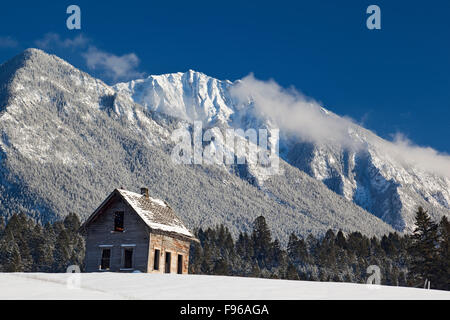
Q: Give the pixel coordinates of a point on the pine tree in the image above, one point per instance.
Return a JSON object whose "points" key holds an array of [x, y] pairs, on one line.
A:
{"points": [[424, 250], [292, 247], [326, 252], [43, 260], [261, 233], [376, 250], [72, 222], [228, 241], [387, 245], [340, 240], [277, 256], [444, 255], [10, 259], [20, 228], [62, 253], [207, 262], [291, 272], [195, 258], [262, 241], [244, 246]]}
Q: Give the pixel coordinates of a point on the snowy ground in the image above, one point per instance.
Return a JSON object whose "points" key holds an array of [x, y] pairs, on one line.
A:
{"points": [[195, 287]]}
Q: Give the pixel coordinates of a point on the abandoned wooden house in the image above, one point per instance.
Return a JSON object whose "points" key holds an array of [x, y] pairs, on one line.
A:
{"points": [[134, 232]]}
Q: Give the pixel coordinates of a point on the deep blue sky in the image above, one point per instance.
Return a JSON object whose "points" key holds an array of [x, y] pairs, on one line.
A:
{"points": [[396, 79]]}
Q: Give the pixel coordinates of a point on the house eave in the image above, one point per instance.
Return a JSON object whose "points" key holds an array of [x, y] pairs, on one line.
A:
{"points": [[174, 235]]}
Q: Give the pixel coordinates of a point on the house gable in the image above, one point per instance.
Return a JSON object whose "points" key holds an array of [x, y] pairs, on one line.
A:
{"points": [[100, 236], [156, 214]]}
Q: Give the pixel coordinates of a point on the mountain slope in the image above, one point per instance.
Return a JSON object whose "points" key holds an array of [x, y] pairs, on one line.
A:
{"points": [[365, 169], [67, 140]]}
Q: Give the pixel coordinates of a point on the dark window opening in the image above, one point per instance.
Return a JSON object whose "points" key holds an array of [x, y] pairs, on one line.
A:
{"points": [[156, 260], [128, 258], [118, 221], [167, 265], [106, 259], [180, 264]]}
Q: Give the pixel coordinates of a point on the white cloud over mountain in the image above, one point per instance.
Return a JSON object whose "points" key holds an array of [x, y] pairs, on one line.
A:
{"points": [[111, 66], [114, 67], [303, 116], [53, 40]]}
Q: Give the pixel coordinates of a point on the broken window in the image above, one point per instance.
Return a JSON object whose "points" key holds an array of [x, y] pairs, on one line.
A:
{"points": [[156, 260], [128, 258], [180, 264], [106, 259], [167, 264], [118, 221]]}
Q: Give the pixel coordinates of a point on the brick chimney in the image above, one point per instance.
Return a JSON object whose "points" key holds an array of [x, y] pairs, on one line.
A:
{"points": [[144, 192]]}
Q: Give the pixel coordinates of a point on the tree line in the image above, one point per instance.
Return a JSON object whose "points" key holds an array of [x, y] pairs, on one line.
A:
{"points": [[404, 260], [28, 246]]}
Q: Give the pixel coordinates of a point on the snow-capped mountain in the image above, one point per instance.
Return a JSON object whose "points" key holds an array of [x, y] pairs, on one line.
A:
{"points": [[68, 139], [190, 96], [364, 170]]}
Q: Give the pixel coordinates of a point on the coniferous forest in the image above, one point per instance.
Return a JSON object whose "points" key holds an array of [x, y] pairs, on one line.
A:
{"points": [[27, 246], [403, 260]]}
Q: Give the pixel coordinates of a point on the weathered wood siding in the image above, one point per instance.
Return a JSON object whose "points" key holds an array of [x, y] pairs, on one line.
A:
{"points": [[168, 244], [100, 233]]}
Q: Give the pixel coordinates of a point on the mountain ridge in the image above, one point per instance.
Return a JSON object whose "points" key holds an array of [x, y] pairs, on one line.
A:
{"points": [[68, 139], [370, 172]]}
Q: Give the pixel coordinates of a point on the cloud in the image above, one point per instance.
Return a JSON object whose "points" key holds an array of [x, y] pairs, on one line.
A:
{"points": [[113, 66], [425, 158], [53, 41], [8, 42], [293, 112]]}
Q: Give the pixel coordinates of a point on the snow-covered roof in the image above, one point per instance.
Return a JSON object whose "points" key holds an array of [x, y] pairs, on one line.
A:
{"points": [[156, 213]]}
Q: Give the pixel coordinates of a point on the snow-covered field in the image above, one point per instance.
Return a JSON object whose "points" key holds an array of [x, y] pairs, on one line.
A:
{"points": [[191, 287]]}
